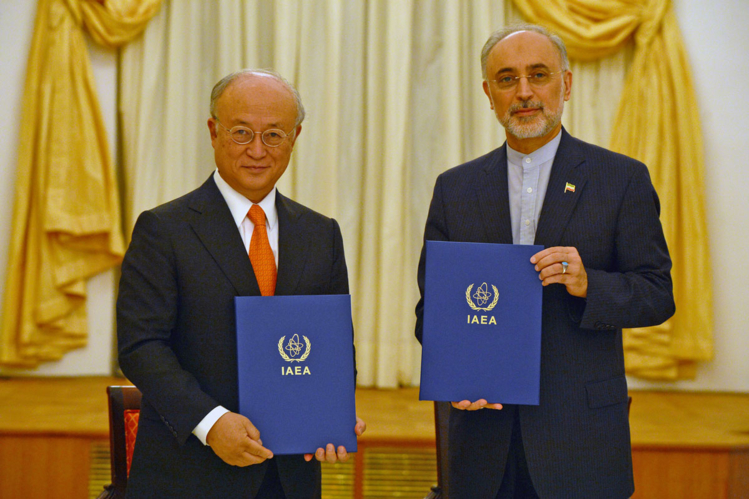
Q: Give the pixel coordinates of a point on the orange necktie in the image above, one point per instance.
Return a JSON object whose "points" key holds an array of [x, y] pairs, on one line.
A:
{"points": [[261, 256]]}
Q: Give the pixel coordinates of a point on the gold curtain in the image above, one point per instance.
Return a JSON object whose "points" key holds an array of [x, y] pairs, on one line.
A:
{"points": [[657, 123], [66, 218]]}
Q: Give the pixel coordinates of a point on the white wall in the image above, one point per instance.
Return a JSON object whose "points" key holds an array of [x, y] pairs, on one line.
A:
{"points": [[716, 40], [16, 28]]}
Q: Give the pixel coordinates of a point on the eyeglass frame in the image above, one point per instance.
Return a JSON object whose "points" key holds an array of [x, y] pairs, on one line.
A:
{"points": [[252, 137], [527, 78]]}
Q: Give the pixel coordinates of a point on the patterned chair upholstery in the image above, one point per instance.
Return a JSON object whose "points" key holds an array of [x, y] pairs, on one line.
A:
{"points": [[131, 431]]}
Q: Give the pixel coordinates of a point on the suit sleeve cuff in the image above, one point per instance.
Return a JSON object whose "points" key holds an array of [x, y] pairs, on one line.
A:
{"points": [[201, 431]]}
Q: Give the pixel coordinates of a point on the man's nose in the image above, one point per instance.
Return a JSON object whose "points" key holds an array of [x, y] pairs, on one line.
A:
{"points": [[524, 90], [256, 148]]}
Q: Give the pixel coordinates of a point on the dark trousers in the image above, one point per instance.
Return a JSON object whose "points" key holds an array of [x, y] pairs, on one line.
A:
{"points": [[516, 482], [271, 487]]}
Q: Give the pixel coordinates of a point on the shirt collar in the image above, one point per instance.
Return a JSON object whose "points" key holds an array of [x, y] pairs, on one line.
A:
{"points": [[240, 205], [539, 156]]}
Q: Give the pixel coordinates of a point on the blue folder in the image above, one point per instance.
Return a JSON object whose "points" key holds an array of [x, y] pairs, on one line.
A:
{"points": [[482, 323], [296, 370]]}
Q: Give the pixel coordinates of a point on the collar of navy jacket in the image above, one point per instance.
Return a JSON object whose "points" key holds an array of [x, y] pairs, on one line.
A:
{"points": [[558, 205], [214, 226]]}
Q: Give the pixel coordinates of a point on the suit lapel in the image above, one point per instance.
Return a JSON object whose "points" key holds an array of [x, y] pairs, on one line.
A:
{"points": [[292, 253], [215, 227], [494, 199], [559, 202]]}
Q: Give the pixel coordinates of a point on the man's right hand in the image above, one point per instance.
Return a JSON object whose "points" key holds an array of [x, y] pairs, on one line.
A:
{"points": [[236, 441], [467, 405]]}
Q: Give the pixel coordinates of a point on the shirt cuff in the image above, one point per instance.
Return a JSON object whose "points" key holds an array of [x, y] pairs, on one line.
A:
{"points": [[201, 431]]}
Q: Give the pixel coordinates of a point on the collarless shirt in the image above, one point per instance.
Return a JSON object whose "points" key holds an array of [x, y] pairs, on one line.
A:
{"points": [[240, 206], [527, 180]]}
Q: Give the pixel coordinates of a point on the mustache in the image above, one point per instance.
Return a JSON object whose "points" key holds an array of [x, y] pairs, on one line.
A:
{"points": [[525, 105]]}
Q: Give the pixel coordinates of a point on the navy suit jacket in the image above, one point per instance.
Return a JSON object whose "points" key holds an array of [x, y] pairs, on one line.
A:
{"points": [[577, 441], [177, 335]]}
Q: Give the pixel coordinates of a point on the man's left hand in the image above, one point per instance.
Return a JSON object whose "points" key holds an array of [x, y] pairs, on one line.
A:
{"points": [[551, 270], [330, 454]]}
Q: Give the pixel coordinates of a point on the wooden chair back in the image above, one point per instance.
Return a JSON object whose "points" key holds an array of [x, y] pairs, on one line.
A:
{"points": [[124, 410]]}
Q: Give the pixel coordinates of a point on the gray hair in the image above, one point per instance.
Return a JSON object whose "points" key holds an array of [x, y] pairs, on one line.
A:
{"points": [[219, 88], [503, 33]]}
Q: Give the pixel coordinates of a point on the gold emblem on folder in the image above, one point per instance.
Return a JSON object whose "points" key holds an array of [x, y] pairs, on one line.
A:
{"points": [[294, 348], [482, 295]]}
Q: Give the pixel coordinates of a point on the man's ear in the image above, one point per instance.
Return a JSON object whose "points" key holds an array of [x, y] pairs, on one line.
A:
{"points": [[212, 128], [567, 85], [297, 131], [485, 84]]}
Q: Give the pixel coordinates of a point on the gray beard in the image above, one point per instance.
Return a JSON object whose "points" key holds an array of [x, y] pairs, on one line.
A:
{"points": [[532, 126]]}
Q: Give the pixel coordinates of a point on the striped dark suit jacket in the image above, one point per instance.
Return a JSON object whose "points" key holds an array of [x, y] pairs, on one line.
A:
{"points": [[577, 441]]}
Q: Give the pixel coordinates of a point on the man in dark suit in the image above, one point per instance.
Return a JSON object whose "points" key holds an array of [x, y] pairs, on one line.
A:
{"points": [[605, 267], [187, 261]]}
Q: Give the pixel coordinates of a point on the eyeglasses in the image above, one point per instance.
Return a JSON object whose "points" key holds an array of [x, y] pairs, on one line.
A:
{"points": [[243, 135], [537, 79]]}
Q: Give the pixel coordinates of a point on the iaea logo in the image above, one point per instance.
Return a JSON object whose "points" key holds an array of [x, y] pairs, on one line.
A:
{"points": [[294, 347], [482, 296]]}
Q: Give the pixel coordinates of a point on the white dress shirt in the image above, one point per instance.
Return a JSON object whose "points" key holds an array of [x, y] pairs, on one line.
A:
{"points": [[239, 207]]}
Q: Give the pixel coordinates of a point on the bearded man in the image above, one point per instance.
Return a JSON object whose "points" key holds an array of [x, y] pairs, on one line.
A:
{"points": [[605, 267]]}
